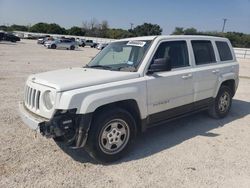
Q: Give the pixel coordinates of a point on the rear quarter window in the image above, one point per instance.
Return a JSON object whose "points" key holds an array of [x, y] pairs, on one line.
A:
{"points": [[224, 51], [203, 52]]}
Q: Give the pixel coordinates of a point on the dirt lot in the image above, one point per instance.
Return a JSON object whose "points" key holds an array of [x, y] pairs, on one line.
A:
{"points": [[191, 152]]}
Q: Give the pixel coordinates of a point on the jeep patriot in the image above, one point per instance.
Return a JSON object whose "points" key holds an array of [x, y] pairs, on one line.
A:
{"points": [[131, 85]]}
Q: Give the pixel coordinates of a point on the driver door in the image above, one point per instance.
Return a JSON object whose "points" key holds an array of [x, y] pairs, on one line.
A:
{"points": [[170, 93]]}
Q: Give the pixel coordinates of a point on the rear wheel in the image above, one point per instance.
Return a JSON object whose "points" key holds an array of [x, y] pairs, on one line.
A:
{"points": [[72, 47], [53, 46], [110, 135], [222, 103]]}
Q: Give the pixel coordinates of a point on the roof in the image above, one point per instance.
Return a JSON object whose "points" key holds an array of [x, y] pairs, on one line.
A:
{"points": [[171, 37]]}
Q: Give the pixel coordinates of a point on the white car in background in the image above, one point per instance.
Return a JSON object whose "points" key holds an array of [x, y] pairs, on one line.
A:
{"points": [[81, 42], [61, 43], [101, 46]]}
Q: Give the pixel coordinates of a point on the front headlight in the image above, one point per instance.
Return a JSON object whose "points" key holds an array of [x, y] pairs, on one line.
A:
{"points": [[48, 99]]}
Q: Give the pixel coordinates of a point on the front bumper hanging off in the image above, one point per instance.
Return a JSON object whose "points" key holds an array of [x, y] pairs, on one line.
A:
{"points": [[74, 128]]}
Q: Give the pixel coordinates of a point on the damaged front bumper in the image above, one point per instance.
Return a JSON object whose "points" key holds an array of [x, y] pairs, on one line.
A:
{"points": [[73, 128], [29, 118]]}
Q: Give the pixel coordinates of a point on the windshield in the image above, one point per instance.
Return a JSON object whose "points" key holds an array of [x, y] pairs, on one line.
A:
{"points": [[121, 56]]}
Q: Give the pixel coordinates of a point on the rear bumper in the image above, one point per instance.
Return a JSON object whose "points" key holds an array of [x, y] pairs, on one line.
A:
{"points": [[31, 120]]}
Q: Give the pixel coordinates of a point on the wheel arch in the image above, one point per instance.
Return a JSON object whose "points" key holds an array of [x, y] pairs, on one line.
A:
{"points": [[230, 80], [130, 105], [230, 84]]}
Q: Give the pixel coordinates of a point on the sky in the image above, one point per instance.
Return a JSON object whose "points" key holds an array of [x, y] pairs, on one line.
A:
{"points": [[204, 15]]}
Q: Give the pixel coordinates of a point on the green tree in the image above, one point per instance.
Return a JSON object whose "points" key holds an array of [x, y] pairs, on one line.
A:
{"points": [[237, 39], [118, 33], [178, 31], [18, 28], [39, 28], [3, 27], [55, 29], [76, 31], [47, 28], [147, 29], [190, 31], [182, 31]]}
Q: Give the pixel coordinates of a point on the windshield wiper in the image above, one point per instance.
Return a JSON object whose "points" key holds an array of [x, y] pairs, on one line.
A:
{"points": [[99, 66], [127, 68]]}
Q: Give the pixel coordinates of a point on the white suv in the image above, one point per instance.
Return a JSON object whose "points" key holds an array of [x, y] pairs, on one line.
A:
{"points": [[131, 85]]}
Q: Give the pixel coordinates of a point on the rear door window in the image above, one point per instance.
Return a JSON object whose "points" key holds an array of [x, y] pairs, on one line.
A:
{"points": [[224, 51], [203, 52]]}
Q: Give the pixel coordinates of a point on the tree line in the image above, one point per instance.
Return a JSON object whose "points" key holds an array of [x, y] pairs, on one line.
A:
{"points": [[93, 28], [237, 39], [90, 28]]}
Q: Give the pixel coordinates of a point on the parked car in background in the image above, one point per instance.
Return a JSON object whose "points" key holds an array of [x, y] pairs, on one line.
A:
{"points": [[81, 42], [100, 46], [72, 39], [42, 40], [8, 37], [1, 35], [61, 43], [90, 43]]}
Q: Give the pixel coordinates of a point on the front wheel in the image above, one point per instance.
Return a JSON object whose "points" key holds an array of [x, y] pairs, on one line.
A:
{"points": [[222, 103], [72, 47], [110, 135]]}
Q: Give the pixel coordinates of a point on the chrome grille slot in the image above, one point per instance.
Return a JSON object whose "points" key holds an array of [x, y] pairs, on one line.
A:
{"points": [[32, 97], [29, 96], [33, 94], [38, 99]]}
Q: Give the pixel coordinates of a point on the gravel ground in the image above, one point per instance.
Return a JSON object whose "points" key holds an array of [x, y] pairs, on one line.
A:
{"points": [[195, 151]]}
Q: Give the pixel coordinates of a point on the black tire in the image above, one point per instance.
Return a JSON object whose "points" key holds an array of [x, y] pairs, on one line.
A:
{"points": [[59, 139], [222, 103], [53, 46], [106, 120], [72, 47]]}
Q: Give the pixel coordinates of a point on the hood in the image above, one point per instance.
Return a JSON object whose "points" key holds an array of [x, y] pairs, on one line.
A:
{"points": [[73, 78]]}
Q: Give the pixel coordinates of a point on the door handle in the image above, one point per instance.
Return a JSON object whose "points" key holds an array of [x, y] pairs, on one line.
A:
{"points": [[215, 71], [187, 76]]}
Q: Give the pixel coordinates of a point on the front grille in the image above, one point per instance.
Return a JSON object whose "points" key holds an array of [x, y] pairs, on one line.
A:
{"points": [[32, 97]]}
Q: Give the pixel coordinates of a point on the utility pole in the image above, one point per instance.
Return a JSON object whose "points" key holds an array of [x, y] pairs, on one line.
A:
{"points": [[224, 24], [131, 26]]}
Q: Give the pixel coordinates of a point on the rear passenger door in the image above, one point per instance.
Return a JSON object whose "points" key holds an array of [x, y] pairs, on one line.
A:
{"points": [[66, 43], [206, 70]]}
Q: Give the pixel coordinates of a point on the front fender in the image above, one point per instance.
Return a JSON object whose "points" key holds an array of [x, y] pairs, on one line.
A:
{"points": [[87, 101], [95, 100]]}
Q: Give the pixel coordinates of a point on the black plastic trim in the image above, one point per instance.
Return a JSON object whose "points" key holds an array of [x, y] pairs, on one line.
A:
{"points": [[175, 113]]}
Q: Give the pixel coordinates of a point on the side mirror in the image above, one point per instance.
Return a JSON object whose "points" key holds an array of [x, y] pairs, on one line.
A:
{"points": [[159, 65]]}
